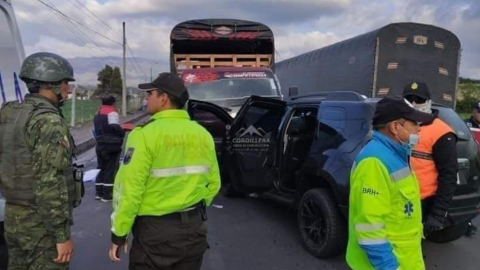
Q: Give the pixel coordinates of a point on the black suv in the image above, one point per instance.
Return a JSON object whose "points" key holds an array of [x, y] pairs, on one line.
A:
{"points": [[300, 153]]}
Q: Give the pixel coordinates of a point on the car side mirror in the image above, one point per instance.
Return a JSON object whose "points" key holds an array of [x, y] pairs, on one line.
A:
{"points": [[292, 91]]}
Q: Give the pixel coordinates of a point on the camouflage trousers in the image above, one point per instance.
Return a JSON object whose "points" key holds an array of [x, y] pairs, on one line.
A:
{"points": [[28, 242]]}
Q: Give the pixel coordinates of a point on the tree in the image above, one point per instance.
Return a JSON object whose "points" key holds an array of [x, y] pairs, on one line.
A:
{"points": [[468, 81], [117, 81], [468, 95], [110, 81]]}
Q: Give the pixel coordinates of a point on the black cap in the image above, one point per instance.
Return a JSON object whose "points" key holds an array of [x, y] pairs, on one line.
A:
{"points": [[108, 100], [418, 89], [476, 105], [389, 109], [169, 83]]}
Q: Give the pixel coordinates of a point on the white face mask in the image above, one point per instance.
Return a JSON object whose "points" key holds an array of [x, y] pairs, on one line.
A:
{"points": [[412, 140], [423, 107]]}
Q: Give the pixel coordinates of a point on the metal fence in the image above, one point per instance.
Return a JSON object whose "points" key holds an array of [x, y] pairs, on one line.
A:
{"points": [[85, 110]]}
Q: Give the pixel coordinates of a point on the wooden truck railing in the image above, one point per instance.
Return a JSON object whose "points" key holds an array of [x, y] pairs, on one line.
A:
{"points": [[190, 61]]}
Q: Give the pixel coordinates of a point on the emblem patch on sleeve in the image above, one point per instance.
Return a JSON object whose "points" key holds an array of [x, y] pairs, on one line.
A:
{"points": [[65, 142], [128, 155]]}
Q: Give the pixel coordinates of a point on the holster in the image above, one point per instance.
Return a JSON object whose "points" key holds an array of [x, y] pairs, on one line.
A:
{"points": [[79, 186], [203, 210]]}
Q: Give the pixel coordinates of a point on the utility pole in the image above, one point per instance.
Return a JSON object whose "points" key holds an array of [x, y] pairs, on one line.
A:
{"points": [[124, 90], [74, 98], [151, 77]]}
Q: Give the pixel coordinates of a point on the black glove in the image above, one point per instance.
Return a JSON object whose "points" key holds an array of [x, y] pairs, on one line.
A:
{"points": [[471, 230], [433, 223]]}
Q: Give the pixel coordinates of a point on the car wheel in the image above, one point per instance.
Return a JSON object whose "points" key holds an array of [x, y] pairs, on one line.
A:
{"points": [[449, 234], [322, 228]]}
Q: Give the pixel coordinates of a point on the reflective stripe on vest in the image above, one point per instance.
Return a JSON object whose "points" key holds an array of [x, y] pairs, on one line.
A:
{"points": [[368, 242], [180, 171], [401, 174], [422, 160], [369, 227]]}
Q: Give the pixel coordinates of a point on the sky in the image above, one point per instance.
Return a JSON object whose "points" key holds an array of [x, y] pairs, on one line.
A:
{"points": [[299, 26]]}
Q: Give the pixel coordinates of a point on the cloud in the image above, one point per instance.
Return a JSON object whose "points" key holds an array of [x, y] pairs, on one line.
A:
{"points": [[269, 11], [296, 43], [66, 48], [87, 78], [299, 26]]}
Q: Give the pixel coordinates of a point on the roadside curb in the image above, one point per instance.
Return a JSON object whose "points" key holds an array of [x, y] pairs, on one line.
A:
{"points": [[82, 147]]}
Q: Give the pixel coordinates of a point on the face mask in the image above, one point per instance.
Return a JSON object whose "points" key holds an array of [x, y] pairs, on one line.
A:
{"points": [[425, 107], [58, 92], [412, 141]]}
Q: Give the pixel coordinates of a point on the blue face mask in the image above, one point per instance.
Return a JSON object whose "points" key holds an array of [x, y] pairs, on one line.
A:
{"points": [[412, 141]]}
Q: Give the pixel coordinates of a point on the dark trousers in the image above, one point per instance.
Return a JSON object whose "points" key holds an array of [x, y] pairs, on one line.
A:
{"points": [[108, 164], [161, 243]]}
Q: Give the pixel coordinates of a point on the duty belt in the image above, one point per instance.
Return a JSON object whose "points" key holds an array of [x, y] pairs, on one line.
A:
{"points": [[185, 215]]}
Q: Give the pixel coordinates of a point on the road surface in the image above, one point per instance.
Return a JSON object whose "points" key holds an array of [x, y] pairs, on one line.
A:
{"points": [[244, 234]]}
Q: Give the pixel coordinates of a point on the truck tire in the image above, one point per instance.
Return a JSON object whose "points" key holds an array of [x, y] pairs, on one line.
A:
{"points": [[449, 234], [322, 228]]}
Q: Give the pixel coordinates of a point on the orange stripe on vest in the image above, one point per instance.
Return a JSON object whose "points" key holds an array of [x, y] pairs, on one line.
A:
{"points": [[422, 159]]}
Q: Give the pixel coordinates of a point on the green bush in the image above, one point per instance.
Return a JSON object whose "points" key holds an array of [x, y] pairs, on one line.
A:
{"points": [[469, 94]]}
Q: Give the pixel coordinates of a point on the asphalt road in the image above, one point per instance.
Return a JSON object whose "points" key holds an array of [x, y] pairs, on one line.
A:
{"points": [[244, 234]]}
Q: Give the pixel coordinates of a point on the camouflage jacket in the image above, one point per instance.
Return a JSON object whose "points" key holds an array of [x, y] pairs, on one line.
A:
{"points": [[49, 136]]}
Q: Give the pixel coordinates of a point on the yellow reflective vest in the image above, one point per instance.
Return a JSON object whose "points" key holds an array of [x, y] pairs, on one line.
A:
{"points": [[385, 215], [169, 165]]}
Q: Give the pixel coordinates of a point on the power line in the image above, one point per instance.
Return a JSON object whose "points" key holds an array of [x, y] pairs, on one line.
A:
{"points": [[74, 30], [134, 58], [89, 43], [69, 22], [96, 17], [79, 23], [134, 63], [134, 68]]}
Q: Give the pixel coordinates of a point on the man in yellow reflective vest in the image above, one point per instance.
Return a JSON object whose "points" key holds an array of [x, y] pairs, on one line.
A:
{"points": [[385, 215], [169, 174]]}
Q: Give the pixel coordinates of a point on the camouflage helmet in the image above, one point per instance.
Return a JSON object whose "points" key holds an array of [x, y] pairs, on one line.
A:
{"points": [[46, 67]]}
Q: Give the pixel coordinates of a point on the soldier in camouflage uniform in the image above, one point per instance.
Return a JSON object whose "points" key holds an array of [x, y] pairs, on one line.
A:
{"points": [[36, 172]]}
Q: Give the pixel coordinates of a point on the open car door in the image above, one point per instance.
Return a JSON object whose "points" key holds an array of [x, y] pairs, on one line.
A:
{"points": [[213, 118], [251, 145]]}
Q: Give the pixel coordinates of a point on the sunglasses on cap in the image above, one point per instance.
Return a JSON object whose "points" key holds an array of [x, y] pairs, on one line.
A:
{"points": [[416, 99]]}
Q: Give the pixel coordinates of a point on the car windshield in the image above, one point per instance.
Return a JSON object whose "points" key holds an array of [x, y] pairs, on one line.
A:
{"points": [[454, 121], [232, 88]]}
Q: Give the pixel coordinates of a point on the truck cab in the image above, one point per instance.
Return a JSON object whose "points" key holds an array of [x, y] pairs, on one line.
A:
{"points": [[230, 87], [224, 61]]}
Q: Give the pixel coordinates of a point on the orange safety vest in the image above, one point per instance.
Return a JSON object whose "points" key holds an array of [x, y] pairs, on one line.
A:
{"points": [[422, 158]]}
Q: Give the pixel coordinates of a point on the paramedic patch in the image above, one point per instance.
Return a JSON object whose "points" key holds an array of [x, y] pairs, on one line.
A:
{"points": [[128, 155]]}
